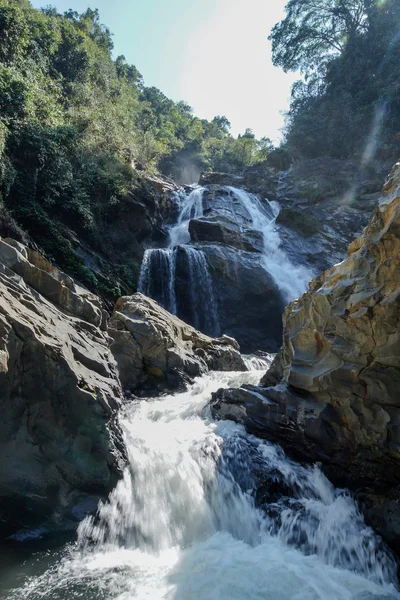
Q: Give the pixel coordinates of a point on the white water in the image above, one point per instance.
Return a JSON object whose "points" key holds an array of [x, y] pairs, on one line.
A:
{"points": [[291, 279], [157, 277], [191, 207], [183, 523], [158, 269], [203, 304]]}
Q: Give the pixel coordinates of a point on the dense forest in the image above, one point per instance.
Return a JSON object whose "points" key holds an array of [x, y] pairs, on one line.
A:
{"points": [[78, 128], [348, 103]]}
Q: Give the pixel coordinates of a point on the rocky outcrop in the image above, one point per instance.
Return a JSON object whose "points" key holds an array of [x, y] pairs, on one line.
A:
{"points": [[251, 303], [325, 203], [59, 389], [114, 251], [153, 346], [225, 230], [65, 370], [332, 393]]}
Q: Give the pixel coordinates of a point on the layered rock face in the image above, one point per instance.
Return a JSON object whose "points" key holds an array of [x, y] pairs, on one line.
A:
{"points": [[332, 393], [59, 388], [341, 342]]}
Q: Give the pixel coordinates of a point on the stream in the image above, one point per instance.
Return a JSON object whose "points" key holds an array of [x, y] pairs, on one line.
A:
{"points": [[206, 511]]}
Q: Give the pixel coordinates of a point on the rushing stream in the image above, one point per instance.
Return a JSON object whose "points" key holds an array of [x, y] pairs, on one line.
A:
{"points": [[207, 512]]}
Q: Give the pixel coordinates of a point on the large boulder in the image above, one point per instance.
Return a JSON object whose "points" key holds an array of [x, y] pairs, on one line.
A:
{"points": [[59, 391], [332, 393], [224, 230], [152, 345], [250, 300]]}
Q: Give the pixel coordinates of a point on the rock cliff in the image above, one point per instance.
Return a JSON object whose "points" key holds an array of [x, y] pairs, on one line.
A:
{"points": [[332, 393], [65, 370], [58, 392]]}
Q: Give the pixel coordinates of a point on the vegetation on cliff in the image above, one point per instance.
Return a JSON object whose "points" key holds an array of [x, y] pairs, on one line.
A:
{"points": [[79, 129], [348, 104]]}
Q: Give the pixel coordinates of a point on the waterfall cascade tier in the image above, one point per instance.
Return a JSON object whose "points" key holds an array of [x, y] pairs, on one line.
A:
{"points": [[158, 281], [157, 277], [158, 271], [207, 511], [291, 279], [234, 260]]}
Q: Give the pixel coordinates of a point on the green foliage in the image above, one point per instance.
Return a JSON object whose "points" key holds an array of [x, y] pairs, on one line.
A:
{"points": [[349, 103], [76, 126], [313, 30]]}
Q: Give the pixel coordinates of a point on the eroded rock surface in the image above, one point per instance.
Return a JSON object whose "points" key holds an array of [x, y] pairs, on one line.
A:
{"points": [[59, 389], [333, 391], [151, 344]]}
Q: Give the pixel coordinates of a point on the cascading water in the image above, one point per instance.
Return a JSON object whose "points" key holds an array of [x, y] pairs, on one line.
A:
{"points": [[201, 292], [191, 207], [205, 511], [291, 279], [157, 277], [157, 273]]}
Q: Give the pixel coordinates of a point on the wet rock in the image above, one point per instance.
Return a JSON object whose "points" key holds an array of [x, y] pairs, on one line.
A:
{"points": [[225, 231], [59, 390], [151, 344], [250, 302], [332, 391]]}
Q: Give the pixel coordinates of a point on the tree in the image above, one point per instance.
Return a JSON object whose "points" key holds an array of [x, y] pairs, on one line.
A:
{"points": [[316, 30], [350, 95], [222, 125]]}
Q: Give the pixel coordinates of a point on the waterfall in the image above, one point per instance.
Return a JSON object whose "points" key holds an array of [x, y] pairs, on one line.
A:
{"points": [[158, 270], [207, 511], [157, 277], [191, 207], [157, 280], [205, 314], [291, 279]]}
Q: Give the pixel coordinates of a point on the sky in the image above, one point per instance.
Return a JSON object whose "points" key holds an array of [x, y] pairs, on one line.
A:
{"points": [[213, 54]]}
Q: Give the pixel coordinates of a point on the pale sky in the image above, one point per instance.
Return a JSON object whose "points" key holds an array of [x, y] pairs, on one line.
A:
{"points": [[214, 54]]}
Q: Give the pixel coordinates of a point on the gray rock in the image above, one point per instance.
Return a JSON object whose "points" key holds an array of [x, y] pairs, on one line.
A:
{"points": [[59, 390], [251, 302], [223, 230], [150, 343]]}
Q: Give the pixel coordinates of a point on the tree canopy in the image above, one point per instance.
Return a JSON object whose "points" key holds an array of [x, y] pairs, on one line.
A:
{"points": [[317, 30], [349, 53], [78, 128]]}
